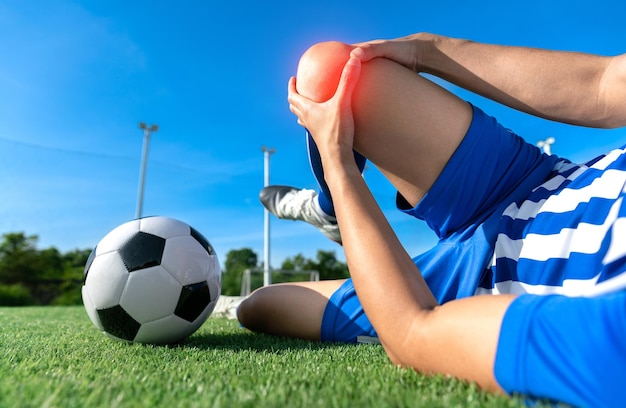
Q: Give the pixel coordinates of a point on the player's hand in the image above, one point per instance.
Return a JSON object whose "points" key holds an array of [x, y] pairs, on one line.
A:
{"points": [[331, 123], [407, 51]]}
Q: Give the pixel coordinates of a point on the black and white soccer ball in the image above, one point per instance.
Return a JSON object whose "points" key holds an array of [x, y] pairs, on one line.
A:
{"points": [[151, 280]]}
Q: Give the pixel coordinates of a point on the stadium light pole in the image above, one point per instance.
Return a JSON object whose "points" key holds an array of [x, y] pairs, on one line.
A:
{"points": [[267, 277], [147, 132], [545, 145]]}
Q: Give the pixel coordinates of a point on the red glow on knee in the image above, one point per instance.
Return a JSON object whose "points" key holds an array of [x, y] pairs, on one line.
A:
{"points": [[320, 69]]}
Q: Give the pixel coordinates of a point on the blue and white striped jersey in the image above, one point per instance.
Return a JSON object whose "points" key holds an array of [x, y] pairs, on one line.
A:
{"points": [[568, 236]]}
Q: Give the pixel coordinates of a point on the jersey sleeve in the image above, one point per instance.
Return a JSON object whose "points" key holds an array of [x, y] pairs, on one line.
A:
{"points": [[567, 349]]}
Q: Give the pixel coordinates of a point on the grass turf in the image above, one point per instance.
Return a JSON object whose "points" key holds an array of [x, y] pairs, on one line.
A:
{"points": [[54, 357]]}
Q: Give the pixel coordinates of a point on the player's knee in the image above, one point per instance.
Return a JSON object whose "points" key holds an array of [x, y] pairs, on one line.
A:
{"points": [[319, 69], [252, 311]]}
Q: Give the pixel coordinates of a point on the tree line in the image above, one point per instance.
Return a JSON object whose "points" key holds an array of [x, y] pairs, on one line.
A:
{"points": [[238, 260], [32, 276]]}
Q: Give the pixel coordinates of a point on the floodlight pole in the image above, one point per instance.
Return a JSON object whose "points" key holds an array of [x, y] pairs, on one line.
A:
{"points": [[545, 145], [147, 131], [267, 276]]}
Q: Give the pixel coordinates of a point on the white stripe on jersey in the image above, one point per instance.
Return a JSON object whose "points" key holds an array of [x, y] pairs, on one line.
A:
{"points": [[538, 256], [584, 239], [556, 182], [609, 185], [607, 160], [571, 287], [617, 249]]}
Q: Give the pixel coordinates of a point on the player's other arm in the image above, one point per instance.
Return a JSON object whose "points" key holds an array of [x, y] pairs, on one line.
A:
{"points": [[571, 87]]}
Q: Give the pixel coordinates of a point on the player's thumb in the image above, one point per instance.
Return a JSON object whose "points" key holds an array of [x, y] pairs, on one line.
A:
{"points": [[349, 78]]}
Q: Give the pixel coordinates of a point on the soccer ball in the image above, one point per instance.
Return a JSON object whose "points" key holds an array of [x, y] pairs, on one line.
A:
{"points": [[151, 280]]}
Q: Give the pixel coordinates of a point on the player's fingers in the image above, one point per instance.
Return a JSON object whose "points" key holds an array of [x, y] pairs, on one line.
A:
{"points": [[291, 90], [295, 110], [368, 50], [349, 78], [291, 86], [295, 101], [293, 97]]}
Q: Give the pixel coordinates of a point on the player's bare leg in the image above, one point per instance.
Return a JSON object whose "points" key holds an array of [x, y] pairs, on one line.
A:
{"points": [[407, 126], [288, 309]]}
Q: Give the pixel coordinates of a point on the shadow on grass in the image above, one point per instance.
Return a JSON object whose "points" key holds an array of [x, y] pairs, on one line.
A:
{"points": [[253, 341]]}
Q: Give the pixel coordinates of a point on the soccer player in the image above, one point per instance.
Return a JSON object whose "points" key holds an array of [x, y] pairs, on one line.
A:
{"points": [[525, 290]]}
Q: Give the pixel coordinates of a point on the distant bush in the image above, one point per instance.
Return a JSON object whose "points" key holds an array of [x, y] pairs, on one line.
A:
{"points": [[15, 295], [68, 297], [31, 276]]}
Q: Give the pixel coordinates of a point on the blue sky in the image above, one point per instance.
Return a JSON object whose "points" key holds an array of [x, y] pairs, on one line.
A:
{"points": [[76, 78]]}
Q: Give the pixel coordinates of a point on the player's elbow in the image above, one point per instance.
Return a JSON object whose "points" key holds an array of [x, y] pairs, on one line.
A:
{"points": [[612, 102], [407, 343], [391, 354]]}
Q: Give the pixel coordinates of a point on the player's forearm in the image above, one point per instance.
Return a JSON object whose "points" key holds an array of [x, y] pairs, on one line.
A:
{"points": [[378, 263], [453, 339], [456, 339], [570, 87]]}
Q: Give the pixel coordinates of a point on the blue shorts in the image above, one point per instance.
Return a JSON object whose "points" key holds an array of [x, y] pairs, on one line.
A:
{"points": [[463, 207], [344, 319]]}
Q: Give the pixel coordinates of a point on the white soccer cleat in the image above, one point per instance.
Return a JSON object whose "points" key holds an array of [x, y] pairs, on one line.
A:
{"points": [[291, 203]]}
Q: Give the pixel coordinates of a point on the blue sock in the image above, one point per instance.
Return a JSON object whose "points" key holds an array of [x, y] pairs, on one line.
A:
{"points": [[324, 199]]}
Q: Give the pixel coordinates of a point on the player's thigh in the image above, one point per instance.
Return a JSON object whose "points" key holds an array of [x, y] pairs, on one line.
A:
{"points": [[292, 309], [406, 125]]}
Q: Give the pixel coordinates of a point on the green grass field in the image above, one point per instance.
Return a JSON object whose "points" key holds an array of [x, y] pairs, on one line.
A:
{"points": [[54, 357]]}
